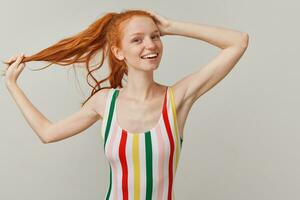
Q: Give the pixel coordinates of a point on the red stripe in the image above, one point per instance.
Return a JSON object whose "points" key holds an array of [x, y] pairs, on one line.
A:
{"points": [[167, 124], [122, 154]]}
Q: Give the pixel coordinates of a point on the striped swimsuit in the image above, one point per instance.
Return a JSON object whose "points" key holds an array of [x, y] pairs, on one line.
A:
{"points": [[142, 165]]}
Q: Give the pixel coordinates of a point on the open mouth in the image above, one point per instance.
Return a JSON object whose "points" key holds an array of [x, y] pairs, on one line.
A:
{"points": [[150, 56]]}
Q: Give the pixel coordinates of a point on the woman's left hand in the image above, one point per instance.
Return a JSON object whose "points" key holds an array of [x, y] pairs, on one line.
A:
{"points": [[162, 23]]}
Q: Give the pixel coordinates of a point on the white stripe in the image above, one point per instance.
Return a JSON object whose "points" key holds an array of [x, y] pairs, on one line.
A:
{"points": [[142, 166], [118, 171], [110, 156]]}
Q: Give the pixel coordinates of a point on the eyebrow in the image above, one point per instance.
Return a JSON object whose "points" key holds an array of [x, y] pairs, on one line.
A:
{"points": [[140, 33]]}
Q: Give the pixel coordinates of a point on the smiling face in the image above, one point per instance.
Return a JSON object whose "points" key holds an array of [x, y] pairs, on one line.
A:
{"points": [[140, 37]]}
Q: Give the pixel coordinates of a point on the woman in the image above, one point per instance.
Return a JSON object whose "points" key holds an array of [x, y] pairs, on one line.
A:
{"points": [[142, 123]]}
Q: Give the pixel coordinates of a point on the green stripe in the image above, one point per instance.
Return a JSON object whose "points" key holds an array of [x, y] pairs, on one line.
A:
{"points": [[109, 189], [111, 111], [149, 175]]}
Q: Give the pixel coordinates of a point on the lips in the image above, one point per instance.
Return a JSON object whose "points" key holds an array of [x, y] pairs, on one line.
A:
{"points": [[145, 56]]}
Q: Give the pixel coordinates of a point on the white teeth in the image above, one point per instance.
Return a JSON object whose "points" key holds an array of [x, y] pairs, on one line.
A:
{"points": [[150, 55]]}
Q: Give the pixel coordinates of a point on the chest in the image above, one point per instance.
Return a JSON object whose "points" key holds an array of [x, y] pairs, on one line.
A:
{"points": [[138, 117]]}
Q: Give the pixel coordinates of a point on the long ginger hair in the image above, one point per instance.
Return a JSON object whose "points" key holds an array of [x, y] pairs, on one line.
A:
{"points": [[101, 35]]}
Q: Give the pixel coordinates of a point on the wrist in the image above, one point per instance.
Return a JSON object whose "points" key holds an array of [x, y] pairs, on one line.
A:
{"points": [[172, 28], [10, 84]]}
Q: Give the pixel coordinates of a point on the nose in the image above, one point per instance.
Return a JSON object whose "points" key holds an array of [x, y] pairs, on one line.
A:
{"points": [[150, 44]]}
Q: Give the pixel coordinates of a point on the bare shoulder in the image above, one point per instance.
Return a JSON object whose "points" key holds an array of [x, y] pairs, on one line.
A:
{"points": [[98, 100]]}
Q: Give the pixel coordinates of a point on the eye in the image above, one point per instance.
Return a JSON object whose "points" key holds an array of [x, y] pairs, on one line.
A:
{"points": [[157, 36], [136, 40]]}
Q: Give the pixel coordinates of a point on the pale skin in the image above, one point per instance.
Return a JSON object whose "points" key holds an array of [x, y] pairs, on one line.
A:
{"points": [[142, 95]]}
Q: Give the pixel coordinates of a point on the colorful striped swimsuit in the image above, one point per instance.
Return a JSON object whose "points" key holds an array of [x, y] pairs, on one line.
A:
{"points": [[142, 165]]}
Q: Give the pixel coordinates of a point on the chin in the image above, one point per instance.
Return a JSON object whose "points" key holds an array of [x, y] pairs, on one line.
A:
{"points": [[148, 67]]}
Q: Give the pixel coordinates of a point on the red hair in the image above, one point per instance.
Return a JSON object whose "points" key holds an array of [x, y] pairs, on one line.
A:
{"points": [[101, 35]]}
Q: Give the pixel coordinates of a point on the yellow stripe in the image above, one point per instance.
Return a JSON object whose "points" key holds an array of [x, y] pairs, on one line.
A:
{"points": [[175, 124], [136, 166]]}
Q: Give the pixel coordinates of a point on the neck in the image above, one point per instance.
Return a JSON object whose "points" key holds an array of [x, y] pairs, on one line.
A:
{"points": [[141, 88], [140, 85]]}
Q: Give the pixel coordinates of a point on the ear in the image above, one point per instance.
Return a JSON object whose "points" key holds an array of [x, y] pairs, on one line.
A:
{"points": [[117, 52]]}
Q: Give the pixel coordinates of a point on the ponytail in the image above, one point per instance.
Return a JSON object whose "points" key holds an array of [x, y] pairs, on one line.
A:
{"points": [[101, 35]]}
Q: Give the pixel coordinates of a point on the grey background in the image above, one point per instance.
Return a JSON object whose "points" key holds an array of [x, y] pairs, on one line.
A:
{"points": [[241, 138]]}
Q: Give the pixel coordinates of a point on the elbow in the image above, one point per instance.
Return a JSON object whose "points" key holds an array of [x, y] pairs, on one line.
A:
{"points": [[45, 139], [44, 142], [46, 136], [244, 40]]}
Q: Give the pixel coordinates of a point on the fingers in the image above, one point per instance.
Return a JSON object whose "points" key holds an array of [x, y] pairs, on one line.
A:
{"points": [[151, 13], [15, 57], [15, 65], [15, 60], [21, 67], [12, 59], [19, 59]]}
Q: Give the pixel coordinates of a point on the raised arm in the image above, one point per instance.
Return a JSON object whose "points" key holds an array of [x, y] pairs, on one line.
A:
{"points": [[232, 44], [47, 131]]}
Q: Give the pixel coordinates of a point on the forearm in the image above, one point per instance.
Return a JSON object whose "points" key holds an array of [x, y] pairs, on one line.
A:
{"points": [[217, 36], [34, 117]]}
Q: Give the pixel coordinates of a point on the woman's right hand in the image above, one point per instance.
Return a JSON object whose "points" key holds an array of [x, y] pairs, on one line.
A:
{"points": [[13, 71], [162, 22]]}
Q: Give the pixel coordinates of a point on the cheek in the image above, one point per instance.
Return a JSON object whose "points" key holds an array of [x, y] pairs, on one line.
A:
{"points": [[133, 53], [160, 45]]}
